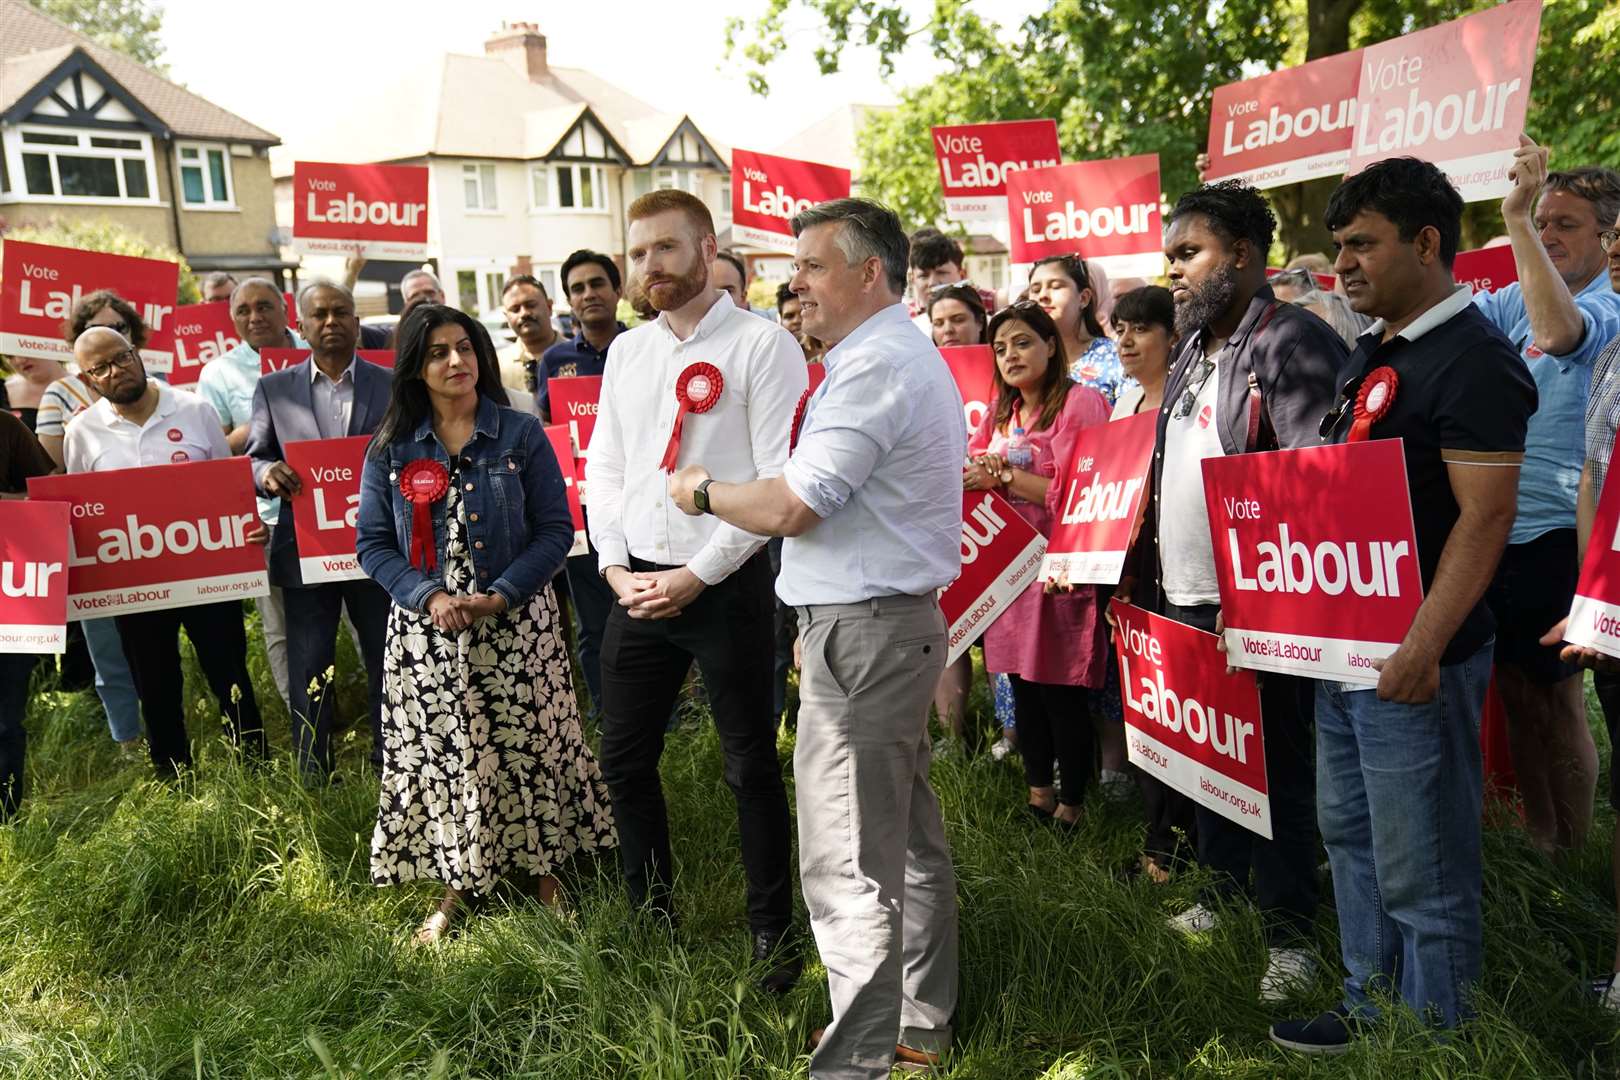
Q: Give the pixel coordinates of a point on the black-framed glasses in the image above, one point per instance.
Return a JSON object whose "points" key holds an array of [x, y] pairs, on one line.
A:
{"points": [[1334, 415], [1607, 238], [126, 359], [1195, 386]]}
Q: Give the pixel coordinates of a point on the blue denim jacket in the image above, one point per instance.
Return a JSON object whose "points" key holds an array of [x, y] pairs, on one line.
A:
{"points": [[516, 509]]}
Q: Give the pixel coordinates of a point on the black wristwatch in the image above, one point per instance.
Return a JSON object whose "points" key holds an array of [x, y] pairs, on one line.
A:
{"points": [[700, 496]]}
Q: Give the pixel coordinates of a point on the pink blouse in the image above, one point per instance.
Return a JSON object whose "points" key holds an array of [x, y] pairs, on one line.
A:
{"points": [[1054, 638]]}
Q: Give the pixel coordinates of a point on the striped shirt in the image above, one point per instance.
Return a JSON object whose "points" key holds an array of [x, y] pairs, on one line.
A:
{"points": [[64, 399], [1603, 413]]}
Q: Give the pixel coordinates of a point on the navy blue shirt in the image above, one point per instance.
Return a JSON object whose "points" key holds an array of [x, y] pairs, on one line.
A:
{"points": [[566, 360]]}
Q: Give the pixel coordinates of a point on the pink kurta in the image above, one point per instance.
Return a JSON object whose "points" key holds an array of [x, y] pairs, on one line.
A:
{"points": [[1056, 638]]}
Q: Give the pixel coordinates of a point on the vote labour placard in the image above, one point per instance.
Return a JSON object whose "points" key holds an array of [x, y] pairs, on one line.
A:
{"points": [[574, 402], [767, 191], [974, 369], [1188, 724], [1286, 127], [1001, 554], [327, 506], [1486, 269], [976, 159], [1594, 617], [163, 536], [1454, 94], [33, 576], [201, 332], [40, 286], [379, 211], [1315, 557], [1100, 502], [562, 446], [277, 359], [1105, 210]]}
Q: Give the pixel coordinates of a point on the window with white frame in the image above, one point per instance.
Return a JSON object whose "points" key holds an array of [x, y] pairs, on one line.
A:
{"points": [[478, 186], [68, 164], [688, 180], [568, 187], [205, 176]]}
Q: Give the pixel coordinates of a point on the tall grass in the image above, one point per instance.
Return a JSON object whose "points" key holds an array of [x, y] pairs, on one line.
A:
{"points": [[226, 927]]}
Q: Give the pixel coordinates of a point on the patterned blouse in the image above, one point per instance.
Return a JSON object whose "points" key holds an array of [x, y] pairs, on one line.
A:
{"points": [[1099, 368]]}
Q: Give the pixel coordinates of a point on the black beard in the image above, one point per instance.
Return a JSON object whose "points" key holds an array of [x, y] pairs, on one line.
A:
{"points": [[1207, 301], [128, 395]]}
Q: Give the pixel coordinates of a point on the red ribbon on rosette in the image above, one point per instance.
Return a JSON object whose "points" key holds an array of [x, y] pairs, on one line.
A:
{"points": [[1374, 401], [423, 482], [798, 420], [696, 391]]}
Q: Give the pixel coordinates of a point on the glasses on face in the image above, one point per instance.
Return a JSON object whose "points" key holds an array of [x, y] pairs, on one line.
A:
{"points": [[1299, 279], [1195, 386], [122, 360], [1607, 238]]}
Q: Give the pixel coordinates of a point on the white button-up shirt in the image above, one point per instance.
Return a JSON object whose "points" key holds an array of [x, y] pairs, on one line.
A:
{"points": [[880, 461], [182, 428], [333, 400], [742, 438]]}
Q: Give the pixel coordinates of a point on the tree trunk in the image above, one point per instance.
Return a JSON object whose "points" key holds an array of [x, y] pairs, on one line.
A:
{"points": [[1299, 207]]}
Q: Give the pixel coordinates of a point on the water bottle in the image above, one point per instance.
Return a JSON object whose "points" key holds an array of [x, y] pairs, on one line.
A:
{"points": [[1019, 454]]}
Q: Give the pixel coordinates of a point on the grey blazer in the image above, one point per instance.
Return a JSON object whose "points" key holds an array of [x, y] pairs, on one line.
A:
{"points": [[284, 412]]}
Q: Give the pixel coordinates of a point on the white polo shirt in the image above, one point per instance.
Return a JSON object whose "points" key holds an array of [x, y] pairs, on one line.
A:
{"points": [[182, 428]]}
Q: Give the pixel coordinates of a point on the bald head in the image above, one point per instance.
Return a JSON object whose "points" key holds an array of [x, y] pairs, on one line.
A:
{"points": [[109, 363], [96, 344]]}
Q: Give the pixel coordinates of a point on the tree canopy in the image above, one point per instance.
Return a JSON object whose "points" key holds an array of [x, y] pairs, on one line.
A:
{"points": [[130, 26]]}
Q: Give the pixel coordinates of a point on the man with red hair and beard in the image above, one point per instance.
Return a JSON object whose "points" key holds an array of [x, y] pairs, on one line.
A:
{"points": [[705, 381]]}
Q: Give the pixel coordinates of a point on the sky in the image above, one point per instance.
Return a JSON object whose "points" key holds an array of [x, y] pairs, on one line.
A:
{"points": [[671, 55]]}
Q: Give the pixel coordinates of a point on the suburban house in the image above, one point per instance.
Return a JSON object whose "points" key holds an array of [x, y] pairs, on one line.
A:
{"points": [[89, 132], [529, 162]]}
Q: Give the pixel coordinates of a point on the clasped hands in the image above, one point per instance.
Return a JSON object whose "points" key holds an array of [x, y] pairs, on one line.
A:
{"points": [[456, 613], [654, 594], [983, 473]]}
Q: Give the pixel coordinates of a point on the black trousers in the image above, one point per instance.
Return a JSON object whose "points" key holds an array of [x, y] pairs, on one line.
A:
{"points": [[1284, 867], [151, 641], [1054, 722], [15, 671], [313, 613], [727, 630], [593, 599]]}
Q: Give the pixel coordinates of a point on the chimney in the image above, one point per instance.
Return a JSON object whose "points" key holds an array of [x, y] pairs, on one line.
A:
{"points": [[521, 45]]}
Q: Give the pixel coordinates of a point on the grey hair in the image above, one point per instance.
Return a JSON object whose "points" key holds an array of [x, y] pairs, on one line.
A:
{"points": [[1346, 321], [219, 277], [870, 230], [322, 283], [1594, 183], [421, 271], [260, 281]]}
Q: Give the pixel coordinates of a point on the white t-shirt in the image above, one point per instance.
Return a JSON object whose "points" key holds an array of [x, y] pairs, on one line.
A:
{"points": [[182, 428], [1185, 554]]}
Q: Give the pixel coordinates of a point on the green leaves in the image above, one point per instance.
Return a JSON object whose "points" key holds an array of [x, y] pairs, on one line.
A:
{"points": [[132, 27]]}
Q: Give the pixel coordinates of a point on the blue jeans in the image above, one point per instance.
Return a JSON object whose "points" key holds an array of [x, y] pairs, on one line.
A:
{"points": [[114, 684], [1398, 802]]}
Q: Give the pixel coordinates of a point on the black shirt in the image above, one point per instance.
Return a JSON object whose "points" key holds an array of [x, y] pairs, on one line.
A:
{"points": [[1464, 397], [21, 456]]}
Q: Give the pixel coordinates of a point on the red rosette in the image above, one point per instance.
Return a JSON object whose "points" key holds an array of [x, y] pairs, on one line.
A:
{"points": [[1373, 402], [696, 391], [798, 420], [423, 482]]}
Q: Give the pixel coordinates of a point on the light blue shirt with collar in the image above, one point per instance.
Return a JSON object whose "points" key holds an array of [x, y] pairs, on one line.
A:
{"points": [[1554, 446], [227, 383], [879, 460]]}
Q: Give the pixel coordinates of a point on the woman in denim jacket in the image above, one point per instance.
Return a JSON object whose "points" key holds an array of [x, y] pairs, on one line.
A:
{"points": [[485, 769]]}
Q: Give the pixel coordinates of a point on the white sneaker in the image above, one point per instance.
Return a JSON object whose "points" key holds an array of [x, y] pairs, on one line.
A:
{"points": [[1197, 919], [1610, 999], [1288, 972], [1003, 747], [1115, 784]]}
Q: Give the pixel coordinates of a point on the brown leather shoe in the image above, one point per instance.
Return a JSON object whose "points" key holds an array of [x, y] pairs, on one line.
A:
{"points": [[906, 1058]]}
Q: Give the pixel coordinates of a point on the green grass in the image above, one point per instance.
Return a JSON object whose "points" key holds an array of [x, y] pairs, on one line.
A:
{"points": [[228, 929]]}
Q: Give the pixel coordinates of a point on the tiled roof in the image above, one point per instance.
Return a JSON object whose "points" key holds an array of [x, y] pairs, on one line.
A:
{"points": [[32, 44]]}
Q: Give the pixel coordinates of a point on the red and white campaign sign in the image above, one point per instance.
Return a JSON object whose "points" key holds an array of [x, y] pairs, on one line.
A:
{"points": [[574, 403], [1285, 127], [1101, 501], [1188, 723], [1594, 617], [562, 444], [974, 369], [1103, 210], [379, 211], [1315, 556], [1486, 269], [201, 332], [767, 191], [159, 537], [40, 286], [1325, 282], [327, 506], [33, 576], [1001, 553], [976, 159], [276, 359], [1454, 94]]}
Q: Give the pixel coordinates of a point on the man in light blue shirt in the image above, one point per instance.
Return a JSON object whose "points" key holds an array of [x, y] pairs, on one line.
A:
{"points": [[871, 504], [1559, 315], [227, 382]]}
